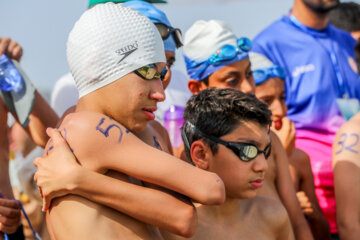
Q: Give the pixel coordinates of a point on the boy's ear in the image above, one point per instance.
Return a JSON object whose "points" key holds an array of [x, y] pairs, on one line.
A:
{"points": [[200, 154], [194, 86]]}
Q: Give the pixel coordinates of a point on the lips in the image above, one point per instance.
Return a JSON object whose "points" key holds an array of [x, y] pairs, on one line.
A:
{"points": [[149, 112], [278, 124], [258, 183]]}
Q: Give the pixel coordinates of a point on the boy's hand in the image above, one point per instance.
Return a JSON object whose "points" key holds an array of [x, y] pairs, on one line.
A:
{"points": [[57, 172], [10, 215], [287, 135], [11, 48], [305, 203]]}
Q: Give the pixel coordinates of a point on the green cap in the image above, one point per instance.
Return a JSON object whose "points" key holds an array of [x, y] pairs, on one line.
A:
{"points": [[94, 2]]}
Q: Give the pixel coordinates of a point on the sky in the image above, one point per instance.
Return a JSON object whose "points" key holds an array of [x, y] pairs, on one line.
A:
{"points": [[42, 27]]}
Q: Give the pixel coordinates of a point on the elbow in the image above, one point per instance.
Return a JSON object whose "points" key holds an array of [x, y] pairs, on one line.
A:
{"points": [[348, 226], [186, 222], [215, 193]]}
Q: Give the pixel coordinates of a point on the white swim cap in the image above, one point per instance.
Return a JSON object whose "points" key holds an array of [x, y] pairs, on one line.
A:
{"points": [[108, 42], [203, 38], [202, 41], [259, 61]]}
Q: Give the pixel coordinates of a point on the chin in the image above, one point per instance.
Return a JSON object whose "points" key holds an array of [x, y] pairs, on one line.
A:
{"points": [[321, 7], [244, 194], [138, 128]]}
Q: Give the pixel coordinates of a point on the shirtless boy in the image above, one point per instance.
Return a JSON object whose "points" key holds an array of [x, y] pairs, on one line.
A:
{"points": [[211, 62], [227, 132], [346, 165], [270, 88], [116, 64]]}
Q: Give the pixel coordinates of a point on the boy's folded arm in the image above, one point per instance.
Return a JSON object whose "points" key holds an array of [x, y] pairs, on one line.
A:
{"points": [[155, 205], [105, 144]]}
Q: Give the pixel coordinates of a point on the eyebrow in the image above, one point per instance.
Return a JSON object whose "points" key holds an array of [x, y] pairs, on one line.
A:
{"points": [[249, 66], [252, 141]]}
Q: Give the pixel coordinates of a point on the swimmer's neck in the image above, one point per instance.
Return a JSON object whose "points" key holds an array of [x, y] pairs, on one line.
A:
{"points": [[89, 104], [227, 212]]}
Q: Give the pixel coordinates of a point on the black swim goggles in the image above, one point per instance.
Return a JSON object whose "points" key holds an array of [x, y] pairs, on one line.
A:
{"points": [[165, 32], [245, 151], [150, 72]]}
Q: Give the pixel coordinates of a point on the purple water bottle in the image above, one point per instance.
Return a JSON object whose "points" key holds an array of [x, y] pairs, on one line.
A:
{"points": [[10, 78], [173, 121]]}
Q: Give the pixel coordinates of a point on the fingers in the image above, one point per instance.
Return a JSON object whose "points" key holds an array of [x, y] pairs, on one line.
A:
{"points": [[14, 51], [9, 204], [8, 228], [304, 202], [56, 136], [4, 43], [10, 214], [11, 48]]}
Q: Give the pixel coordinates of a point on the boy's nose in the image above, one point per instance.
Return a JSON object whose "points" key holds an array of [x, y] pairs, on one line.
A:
{"points": [[157, 93]]}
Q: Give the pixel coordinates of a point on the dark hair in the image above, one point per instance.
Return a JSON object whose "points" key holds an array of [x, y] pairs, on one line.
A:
{"points": [[357, 54], [217, 112], [346, 16]]}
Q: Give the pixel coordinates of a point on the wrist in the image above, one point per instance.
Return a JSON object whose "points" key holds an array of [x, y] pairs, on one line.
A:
{"points": [[78, 175]]}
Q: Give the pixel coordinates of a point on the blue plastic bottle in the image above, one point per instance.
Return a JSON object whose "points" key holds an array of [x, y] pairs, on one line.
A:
{"points": [[10, 78]]}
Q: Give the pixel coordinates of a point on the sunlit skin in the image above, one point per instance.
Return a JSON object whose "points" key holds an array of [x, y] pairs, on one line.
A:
{"points": [[237, 75], [135, 107], [272, 92]]}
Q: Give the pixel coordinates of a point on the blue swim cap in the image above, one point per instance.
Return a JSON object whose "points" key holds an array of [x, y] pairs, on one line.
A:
{"points": [[156, 16]]}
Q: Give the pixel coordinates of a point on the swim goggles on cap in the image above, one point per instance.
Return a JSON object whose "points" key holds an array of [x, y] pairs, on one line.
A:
{"points": [[245, 151], [262, 74], [225, 53], [149, 72], [165, 32]]}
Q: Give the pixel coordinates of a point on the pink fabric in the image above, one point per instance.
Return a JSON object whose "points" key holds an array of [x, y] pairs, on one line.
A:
{"points": [[319, 148]]}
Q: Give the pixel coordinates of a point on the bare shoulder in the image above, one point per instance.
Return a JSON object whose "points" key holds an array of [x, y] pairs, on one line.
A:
{"points": [[299, 159], [346, 146], [276, 146], [160, 129], [89, 135]]}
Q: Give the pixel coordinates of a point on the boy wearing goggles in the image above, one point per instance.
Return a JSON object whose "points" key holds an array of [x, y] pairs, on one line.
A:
{"points": [[215, 57], [269, 80], [117, 98], [227, 132]]}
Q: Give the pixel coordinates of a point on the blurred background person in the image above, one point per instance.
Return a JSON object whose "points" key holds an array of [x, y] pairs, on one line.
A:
{"points": [[270, 88], [318, 59]]}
